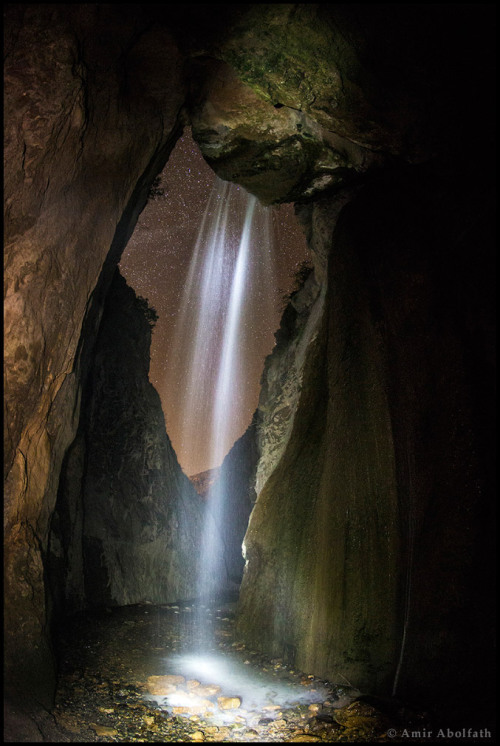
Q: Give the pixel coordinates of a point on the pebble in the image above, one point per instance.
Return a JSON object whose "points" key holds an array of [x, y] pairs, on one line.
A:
{"points": [[303, 737], [228, 703], [198, 735], [208, 690], [196, 707], [103, 730], [159, 686], [180, 710], [173, 679], [118, 681]]}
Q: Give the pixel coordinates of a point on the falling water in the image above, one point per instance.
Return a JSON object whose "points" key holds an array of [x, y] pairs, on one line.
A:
{"points": [[230, 268], [202, 325], [225, 401]]}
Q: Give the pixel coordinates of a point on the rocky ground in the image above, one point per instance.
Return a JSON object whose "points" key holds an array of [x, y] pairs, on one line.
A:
{"points": [[136, 673]]}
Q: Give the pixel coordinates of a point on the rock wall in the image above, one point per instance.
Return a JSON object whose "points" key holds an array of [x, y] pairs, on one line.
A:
{"points": [[88, 127], [327, 490], [282, 378], [424, 247], [235, 488], [141, 517], [372, 524]]}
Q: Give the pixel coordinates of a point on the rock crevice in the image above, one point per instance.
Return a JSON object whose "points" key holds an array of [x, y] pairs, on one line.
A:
{"points": [[136, 516]]}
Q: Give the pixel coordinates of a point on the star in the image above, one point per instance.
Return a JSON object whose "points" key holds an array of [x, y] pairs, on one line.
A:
{"points": [[156, 263]]}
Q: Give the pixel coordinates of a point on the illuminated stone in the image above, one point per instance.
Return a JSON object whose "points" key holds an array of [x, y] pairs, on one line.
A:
{"points": [[198, 735], [228, 703], [207, 690], [163, 685]]}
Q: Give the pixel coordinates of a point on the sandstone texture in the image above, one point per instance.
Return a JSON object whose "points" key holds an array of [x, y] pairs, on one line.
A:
{"points": [[87, 129], [279, 154], [142, 518], [298, 498], [234, 490], [364, 460]]}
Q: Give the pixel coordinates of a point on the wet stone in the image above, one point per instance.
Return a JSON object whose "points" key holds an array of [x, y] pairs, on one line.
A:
{"points": [[228, 703], [111, 673], [198, 735], [103, 730], [161, 685], [208, 690]]}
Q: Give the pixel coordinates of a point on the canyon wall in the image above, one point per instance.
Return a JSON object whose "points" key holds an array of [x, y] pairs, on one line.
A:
{"points": [[373, 523], [236, 487], [324, 532], [88, 127], [141, 517], [372, 430]]}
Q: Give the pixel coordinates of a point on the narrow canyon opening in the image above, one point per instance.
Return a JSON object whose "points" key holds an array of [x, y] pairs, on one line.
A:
{"points": [[163, 263], [218, 269]]}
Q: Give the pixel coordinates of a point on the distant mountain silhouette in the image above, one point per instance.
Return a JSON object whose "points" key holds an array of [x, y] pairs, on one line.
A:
{"points": [[204, 480]]}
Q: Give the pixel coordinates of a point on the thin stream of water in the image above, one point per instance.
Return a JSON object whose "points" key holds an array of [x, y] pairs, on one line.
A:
{"points": [[231, 266]]}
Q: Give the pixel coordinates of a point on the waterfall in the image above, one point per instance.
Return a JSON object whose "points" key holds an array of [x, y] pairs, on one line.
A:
{"points": [[200, 321], [227, 386], [234, 225], [230, 275]]}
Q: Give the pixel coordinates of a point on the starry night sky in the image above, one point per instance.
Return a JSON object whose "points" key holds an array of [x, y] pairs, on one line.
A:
{"points": [[156, 263]]}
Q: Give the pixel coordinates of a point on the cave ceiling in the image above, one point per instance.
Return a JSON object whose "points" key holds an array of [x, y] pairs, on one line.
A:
{"points": [[292, 100]]}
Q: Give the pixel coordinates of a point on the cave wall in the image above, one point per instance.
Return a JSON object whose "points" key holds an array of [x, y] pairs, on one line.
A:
{"points": [[141, 517], [370, 459], [234, 492], [374, 525], [87, 128], [426, 250], [324, 531]]}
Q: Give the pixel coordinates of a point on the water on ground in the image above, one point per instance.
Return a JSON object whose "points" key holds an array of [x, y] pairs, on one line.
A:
{"points": [[136, 673]]}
